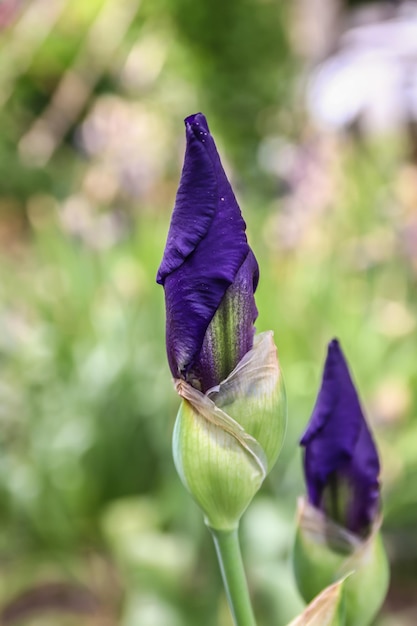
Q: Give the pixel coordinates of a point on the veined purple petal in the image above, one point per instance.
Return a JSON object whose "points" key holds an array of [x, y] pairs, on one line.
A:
{"points": [[339, 449], [205, 249]]}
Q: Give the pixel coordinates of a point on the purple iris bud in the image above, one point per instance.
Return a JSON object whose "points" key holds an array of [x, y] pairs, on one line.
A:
{"points": [[208, 271], [341, 462]]}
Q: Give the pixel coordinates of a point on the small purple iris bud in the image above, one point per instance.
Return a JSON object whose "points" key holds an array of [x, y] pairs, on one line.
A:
{"points": [[341, 462], [231, 422], [338, 525]]}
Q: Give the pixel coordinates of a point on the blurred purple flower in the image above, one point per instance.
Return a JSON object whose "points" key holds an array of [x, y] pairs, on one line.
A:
{"points": [[341, 462], [206, 257]]}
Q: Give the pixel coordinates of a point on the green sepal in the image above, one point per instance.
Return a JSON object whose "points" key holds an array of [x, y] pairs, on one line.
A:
{"points": [[226, 441], [324, 552]]}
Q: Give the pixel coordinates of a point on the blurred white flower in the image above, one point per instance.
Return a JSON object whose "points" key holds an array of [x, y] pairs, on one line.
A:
{"points": [[130, 140], [99, 231], [372, 79]]}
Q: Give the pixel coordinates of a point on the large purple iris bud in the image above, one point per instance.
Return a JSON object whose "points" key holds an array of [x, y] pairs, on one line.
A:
{"points": [[338, 525], [207, 266], [231, 422], [341, 462]]}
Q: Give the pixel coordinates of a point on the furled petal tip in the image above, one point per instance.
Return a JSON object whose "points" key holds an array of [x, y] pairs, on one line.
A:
{"points": [[205, 249], [341, 462]]}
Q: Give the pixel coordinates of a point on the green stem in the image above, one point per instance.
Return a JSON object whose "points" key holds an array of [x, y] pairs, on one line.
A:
{"points": [[233, 574]]}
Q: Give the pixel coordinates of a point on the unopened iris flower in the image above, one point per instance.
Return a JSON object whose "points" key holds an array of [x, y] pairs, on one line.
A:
{"points": [[341, 462], [338, 530], [231, 422]]}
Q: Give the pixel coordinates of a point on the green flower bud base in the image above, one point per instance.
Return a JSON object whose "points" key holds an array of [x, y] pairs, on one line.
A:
{"points": [[324, 552], [226, 441], [221, 475]]}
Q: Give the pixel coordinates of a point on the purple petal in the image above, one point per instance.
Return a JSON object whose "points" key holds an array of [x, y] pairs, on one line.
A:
{"points": [[205, 249], [338, 445], [363, 472]]}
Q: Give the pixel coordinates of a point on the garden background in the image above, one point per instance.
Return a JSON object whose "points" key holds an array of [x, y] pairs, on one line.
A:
{"points": [[314, 113]]}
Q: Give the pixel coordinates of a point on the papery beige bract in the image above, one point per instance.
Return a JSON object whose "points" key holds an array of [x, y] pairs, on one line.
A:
{"points": [[327, 609]]}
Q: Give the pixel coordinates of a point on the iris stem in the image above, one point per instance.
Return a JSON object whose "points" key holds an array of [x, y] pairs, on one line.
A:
{"points": [[233, 574]]}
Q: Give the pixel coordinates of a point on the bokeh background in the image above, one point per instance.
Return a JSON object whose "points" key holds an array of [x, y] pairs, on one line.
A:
{"points": [[313, 104]]}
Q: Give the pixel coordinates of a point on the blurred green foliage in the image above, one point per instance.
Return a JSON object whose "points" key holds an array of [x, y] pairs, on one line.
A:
{"points": [[95, 525], [242, 66]]}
